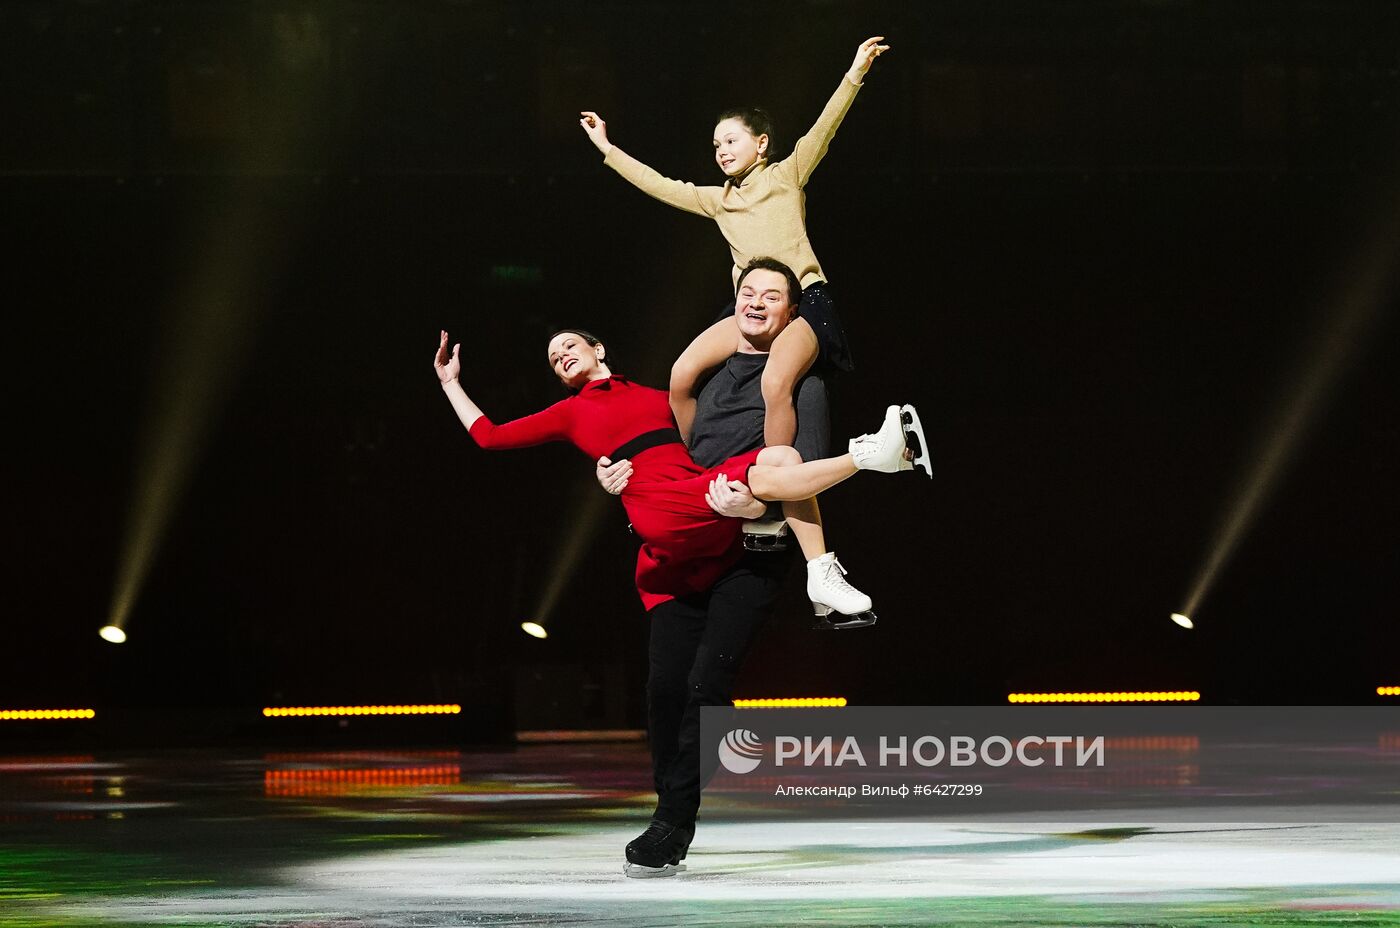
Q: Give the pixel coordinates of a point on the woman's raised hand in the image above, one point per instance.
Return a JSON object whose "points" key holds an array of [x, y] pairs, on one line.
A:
{"points": [[448, 367], [597, 130], [869, 50]]}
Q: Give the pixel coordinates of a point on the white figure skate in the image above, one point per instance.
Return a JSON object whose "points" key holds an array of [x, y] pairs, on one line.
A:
{"points": [[914, 438], [897, 446], [836, 603]]}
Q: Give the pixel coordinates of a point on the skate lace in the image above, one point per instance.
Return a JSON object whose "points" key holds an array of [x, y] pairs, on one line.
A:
{"points": [[834, 577], [870, 445]]}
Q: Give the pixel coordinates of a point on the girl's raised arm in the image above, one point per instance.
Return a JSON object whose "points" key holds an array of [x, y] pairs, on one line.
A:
{"points": [[702, 201], [811, 148]]}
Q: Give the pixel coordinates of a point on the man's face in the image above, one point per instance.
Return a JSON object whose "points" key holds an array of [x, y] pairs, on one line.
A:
{"points": [[763, 307]]}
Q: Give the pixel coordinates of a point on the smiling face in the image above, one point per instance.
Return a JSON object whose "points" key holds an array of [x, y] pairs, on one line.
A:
{"points": [[736, 147], [763, 307], [575, 361]]}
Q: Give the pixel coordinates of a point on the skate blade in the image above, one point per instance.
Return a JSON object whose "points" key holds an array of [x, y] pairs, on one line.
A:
{"points": [[756, 542], [914, 438], [822, 610], [640, 872], [826, 622]]}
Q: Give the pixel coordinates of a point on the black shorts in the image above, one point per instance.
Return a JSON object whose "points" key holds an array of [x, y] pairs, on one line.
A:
{"points": [[818, 308]]}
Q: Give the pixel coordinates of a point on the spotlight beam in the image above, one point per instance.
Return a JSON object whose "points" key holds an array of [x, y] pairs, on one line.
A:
{"points": [[1367, 286], [582, 529], [214, 314]]}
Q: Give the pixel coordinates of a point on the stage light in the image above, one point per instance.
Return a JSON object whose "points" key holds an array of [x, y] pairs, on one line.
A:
{"points": [[534, 629], [112, 633], [272, 712], [1149, 696], [792, 702], [1388, 691], [1182, 620], [47, 715]]}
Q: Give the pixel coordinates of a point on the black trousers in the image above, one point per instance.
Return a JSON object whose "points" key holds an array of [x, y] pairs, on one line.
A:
{"points": [[697, 646]]}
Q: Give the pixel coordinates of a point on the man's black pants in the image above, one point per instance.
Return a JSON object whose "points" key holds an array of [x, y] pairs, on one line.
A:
{"points": [[697, 646]]}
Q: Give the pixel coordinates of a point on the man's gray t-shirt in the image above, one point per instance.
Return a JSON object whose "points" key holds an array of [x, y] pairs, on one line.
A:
{"points": [[729, 413]]}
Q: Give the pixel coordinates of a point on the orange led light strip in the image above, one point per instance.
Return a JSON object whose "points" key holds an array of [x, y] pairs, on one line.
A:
{"points": [[340, 782], [1154, 696], [284, 712], [804, 702], [11, 715], [1388, 691]]}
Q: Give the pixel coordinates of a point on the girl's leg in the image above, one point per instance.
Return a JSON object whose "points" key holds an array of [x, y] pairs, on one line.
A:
{"points": [[804, 520], [709, 350], [803, 517], [790, 356], [826, 584]]}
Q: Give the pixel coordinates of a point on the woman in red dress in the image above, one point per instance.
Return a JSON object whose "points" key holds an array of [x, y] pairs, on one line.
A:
{"points": [[686, 545]]}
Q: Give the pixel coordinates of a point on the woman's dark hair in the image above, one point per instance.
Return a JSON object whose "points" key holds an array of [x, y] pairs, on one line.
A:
{"points": [[756, 120], [772, 264], [593, 340]]}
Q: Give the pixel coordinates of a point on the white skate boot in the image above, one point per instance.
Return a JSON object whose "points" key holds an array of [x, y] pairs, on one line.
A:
{"points": [[899, 443], [837, 604]]}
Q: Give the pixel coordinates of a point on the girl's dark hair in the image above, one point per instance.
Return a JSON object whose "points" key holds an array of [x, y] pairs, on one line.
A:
{"points": [[756, 120]]}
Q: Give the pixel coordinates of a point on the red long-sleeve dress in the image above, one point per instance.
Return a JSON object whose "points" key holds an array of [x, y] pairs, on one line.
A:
{"points": [[686, 545]]}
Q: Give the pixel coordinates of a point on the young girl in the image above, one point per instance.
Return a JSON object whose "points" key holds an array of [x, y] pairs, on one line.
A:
{"points": [[686, 546], [761, 210]]}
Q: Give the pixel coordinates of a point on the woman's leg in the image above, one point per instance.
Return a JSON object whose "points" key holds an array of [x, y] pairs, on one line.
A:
{"points": [[803, 517], [778, 474], [709, 350], [774, 481], [789, 357]]}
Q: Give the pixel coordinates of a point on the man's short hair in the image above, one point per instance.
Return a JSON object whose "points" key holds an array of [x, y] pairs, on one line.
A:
{"points": [[773, 264]]}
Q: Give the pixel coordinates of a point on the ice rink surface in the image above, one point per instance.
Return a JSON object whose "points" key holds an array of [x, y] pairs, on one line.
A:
{"points": [[535, 837]]}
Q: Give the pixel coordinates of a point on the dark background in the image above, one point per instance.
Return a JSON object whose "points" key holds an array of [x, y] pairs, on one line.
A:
{"points": [[1097, 242]]}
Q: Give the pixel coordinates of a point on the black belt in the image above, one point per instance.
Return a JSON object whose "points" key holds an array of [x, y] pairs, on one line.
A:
{"points": [[652, 439]]}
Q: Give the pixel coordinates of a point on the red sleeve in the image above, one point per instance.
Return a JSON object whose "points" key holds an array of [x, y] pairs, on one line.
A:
{"points": [[546, 425]]}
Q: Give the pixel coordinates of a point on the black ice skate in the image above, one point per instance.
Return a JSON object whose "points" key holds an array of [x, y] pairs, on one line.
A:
{"points": [[659, 850]]}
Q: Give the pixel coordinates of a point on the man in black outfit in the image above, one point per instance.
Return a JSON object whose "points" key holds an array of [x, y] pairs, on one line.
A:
{"points": [[698, 642]]}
